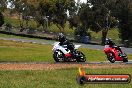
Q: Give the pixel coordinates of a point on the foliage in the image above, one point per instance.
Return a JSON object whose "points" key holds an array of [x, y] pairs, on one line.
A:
{"points": [[3, 4], [44, 12], [1, 19], [97, 15], [123, 11], [103, 19]]}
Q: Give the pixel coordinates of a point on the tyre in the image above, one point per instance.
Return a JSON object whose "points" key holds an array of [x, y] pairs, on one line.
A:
{"points": [[81, 57], [58, 56], [111, 57], [125, 59]]}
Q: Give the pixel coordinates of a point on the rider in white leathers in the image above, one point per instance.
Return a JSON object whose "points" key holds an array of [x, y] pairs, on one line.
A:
{"points": [[64, 41]]}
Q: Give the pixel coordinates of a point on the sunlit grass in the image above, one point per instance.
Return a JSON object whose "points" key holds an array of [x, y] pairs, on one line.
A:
{"points": [[17, 51], [16, 22], [65, 78], [113, 34]]}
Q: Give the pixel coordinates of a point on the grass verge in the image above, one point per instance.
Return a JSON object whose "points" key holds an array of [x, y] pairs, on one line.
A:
{"points": [[64, 78]]}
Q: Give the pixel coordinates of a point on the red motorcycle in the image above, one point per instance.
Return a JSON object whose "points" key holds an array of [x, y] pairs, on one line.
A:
{"points": [[115, 54]]}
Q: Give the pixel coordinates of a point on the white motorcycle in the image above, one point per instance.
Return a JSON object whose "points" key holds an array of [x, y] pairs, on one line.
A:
{"points": [[59, 53]]}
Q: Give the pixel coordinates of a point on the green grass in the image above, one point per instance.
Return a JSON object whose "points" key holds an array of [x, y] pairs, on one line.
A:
{"points": [[16, 22], [17, 51], [63, 78], [93, 55], [113, 34], [53, 28], [10, 36]]}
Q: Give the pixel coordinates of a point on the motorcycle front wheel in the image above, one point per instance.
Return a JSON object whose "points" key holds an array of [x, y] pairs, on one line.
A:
{"points": [[58, 56], [81, 57], [125, 59]]}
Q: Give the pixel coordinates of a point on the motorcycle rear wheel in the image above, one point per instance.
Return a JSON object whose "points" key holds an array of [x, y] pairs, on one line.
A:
{"points": [[111, 58]]}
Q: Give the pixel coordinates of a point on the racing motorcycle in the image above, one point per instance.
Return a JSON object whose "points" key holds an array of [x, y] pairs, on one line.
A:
{"points": [[60, 56], [115, 54]]}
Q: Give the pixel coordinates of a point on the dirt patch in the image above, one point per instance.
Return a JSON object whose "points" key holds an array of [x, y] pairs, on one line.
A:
{"points": [[48, 66]]}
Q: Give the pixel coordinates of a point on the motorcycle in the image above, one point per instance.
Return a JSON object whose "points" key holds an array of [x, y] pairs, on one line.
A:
{"points": [[59, 53], [115, 54]]}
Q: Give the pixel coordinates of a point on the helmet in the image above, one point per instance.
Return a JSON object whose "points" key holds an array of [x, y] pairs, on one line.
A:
{"points": [[61, 37], [108, 41]]}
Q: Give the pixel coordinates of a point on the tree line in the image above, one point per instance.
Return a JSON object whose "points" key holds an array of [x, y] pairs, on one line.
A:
{"points": [[96, 15]]}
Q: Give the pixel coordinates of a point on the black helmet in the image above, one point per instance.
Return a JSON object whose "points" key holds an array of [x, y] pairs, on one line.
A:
{"points": [[108, 41], [61, 37]]}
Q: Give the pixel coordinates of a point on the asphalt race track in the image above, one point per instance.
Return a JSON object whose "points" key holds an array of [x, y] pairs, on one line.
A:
{"points": [[103, 62]]}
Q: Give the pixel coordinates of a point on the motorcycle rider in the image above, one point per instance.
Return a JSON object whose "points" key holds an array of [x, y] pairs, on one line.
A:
{"points": [[64, 41], [112, 44], [109, 42]]}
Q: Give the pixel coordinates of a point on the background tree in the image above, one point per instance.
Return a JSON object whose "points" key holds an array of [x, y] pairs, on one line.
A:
{"points": [[18, 8], [73, 17], [1, 19], [52, 11], [95, 15], [24, 9], [80, 18], [3, 4], [123, 11], [102, 17], [60, 13], [27, 13], [44, 13], [85, 15]]}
